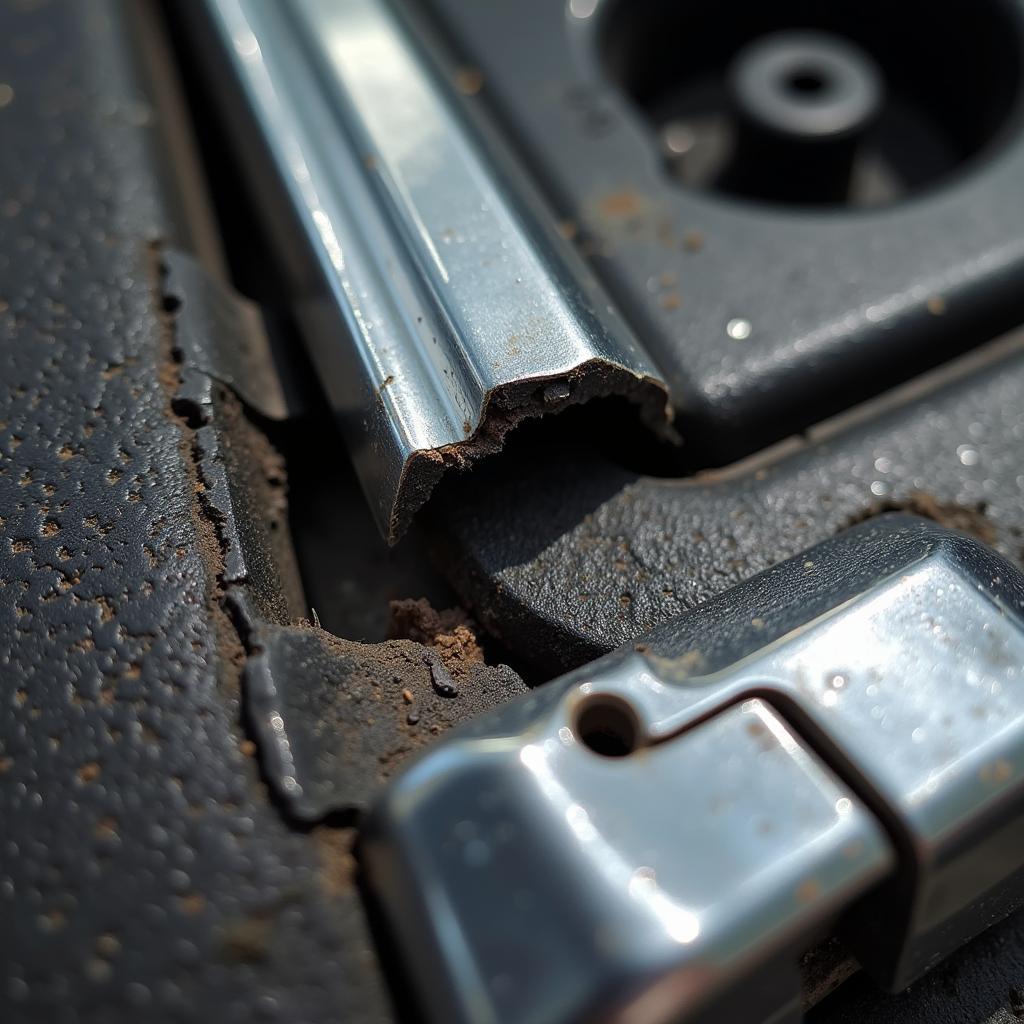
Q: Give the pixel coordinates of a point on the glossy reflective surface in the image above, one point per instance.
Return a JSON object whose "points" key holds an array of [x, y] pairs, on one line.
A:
{"points": [[563, 885], [670, 795], [430, 292]]}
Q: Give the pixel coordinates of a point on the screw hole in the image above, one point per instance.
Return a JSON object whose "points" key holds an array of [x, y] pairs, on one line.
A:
{"points": [[807, 83], [608, 726]]}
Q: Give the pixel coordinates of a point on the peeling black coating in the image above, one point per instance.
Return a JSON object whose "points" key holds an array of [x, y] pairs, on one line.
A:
{"points": [[220, 335], [335, 719], [137, 842]]}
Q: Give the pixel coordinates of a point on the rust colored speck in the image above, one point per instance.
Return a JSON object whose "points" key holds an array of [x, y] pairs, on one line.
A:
{"points": [[626, 202]]}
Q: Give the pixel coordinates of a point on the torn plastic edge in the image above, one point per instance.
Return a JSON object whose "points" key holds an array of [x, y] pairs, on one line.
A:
{"points": [[221, 335]]}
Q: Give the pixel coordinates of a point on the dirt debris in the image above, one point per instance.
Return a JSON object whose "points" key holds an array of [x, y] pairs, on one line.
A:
{"points": [[450, 632], [625, 202], [247, 940], [823, 969], [970, 519], [338, 867], [355, 713], [469, 80]]}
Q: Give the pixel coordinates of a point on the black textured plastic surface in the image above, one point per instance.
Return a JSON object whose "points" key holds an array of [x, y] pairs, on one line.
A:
{"points": [[981, 984], [335, 718], [143, 872], [565, 566], [832, 305]]}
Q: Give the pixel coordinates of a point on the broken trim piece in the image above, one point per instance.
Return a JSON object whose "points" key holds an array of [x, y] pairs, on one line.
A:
{"points": [[440, 310], [221, 336]]}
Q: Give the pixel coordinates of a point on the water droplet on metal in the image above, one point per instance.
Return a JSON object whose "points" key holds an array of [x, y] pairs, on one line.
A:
{"points": [[739, 329], [967, 455]]}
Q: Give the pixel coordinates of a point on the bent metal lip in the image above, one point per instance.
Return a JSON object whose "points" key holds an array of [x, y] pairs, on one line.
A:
{"points": [[440, 309]]}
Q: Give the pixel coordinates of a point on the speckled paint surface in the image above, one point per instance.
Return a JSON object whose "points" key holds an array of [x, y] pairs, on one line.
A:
{"points": [[143, 872]]}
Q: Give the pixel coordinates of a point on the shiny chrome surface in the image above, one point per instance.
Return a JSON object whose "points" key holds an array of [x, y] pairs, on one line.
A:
{"points": [[919, 686], [560, 885], [438, 307], [896, 651]]}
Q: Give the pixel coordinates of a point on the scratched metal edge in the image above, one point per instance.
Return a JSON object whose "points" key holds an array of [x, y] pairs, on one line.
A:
{"points": [[503, 410]]}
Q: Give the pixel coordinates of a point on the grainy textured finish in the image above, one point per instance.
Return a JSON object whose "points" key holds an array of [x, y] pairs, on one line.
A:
{"points": [[564, 566], [335, 719], [143, 873]]}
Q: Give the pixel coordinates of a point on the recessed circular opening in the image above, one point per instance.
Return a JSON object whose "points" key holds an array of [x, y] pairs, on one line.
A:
{"points": [[952, 77], [608, 726], [806, 82]]}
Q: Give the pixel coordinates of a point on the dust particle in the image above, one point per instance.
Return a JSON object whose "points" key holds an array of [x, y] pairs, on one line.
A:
{"points": [[469, 80], [624, 203]]}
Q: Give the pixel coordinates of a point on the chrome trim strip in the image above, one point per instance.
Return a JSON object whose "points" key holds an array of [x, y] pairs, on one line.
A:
{"points": [[440, 311]]}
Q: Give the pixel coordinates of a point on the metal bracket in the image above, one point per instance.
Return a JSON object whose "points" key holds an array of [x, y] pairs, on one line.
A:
{"points": [[657, 836]]}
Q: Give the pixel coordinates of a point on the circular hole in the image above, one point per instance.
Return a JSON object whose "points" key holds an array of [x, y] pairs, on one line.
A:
{"points": [[608, 726], [945, 102], [806, 82]]}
